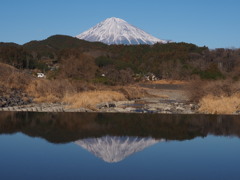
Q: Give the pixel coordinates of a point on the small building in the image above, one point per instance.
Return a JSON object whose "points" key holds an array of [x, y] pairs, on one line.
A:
{"points": [[40, 75]]}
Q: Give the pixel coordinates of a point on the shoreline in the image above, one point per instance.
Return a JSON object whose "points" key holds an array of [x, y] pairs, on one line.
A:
{"points": [[162, 98], [136, 106]]}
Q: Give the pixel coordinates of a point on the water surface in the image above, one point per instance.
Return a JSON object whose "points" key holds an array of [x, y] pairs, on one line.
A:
{"points": [[118, 146]]}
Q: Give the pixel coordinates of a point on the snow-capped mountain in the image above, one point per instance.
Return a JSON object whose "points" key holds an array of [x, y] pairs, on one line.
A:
{"points": [[113, 148], [117, 31]]}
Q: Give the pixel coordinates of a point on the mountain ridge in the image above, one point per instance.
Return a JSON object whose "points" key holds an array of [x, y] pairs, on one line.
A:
{"points": [[58, 42]]}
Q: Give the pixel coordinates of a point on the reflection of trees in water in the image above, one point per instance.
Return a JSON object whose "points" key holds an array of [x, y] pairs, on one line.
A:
{"points": [[67, 127]]}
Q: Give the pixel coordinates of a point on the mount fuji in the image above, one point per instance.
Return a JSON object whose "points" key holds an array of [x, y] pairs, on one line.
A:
{"points": [[115, 149], [117, 31]]}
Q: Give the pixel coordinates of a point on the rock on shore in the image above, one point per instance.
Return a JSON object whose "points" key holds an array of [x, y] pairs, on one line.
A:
{"points": [[13, 97], [149, 105]]}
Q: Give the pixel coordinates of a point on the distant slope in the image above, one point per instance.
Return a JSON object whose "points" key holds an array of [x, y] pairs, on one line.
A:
{"points": [[59, 42], [2, 44]]}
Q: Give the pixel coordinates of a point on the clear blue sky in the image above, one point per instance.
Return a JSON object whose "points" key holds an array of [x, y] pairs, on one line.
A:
{"points": [[214, 23]]}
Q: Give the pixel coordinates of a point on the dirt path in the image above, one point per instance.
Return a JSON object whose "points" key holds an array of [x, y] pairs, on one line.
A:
{"points": [[174, 92]]}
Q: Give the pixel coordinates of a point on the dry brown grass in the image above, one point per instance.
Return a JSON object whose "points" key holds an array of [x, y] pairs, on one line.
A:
{"points": [[49, 90], [11, 77], [91, 98], [220, 105], [58, 90], [216, 97], [198, 89]]}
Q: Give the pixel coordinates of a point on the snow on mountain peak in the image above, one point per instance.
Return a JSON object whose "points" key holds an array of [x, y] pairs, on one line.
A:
{"points": [[113, 148], [117, 31], [114, 19]]}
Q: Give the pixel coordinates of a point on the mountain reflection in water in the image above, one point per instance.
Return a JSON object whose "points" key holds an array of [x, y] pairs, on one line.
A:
{"points": [[115, 148], [113, 137]]}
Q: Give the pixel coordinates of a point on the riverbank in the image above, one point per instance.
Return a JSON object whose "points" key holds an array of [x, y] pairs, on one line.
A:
{"points": [[160, 97], [144, 105], [165, 97]]}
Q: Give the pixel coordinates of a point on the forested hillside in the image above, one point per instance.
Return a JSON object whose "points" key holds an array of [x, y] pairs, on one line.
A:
{"points": [[67, 57]]}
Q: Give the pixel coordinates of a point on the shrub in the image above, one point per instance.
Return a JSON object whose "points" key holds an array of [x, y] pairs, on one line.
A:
{"points": [[44, 90], [78, 66], [211, 73], [102, 80], [199, 88], [103, 61], [11, 77]]}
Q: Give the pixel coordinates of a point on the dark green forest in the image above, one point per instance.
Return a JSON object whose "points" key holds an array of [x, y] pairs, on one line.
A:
{"points": [[64, 56]]}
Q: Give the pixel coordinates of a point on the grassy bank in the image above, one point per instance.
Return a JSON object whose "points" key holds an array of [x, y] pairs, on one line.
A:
{"points": [[216, 97], [79, 94], [76, 93], [91, 98], [220, 105]]}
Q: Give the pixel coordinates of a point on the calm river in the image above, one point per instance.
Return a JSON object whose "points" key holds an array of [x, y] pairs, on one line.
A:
{"points": [[87, 146]]}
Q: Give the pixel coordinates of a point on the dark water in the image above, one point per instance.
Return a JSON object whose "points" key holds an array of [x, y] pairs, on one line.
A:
{"points": [[119, 146]]}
